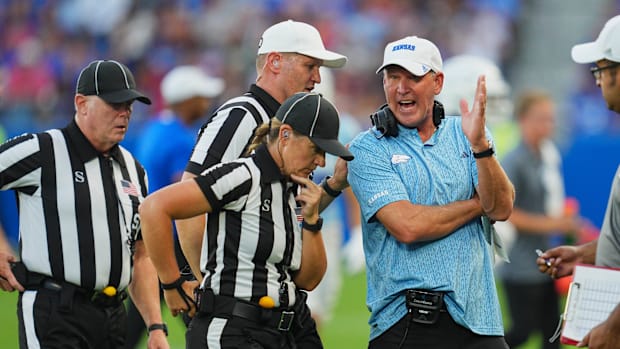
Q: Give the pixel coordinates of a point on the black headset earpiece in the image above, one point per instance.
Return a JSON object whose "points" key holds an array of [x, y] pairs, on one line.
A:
{"points": [[438, 113], [285, 134], [384, 121]]}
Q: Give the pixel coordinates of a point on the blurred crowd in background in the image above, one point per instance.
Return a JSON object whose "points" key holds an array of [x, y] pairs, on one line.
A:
{"points": [[44, 43]]}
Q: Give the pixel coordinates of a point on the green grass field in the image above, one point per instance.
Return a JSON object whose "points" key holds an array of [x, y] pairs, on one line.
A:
{"points": [[348, 329]]}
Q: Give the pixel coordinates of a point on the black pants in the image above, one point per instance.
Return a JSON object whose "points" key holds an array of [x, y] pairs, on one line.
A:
{"points": [[80, 324], [228, 332], [533, 308], [444, 334]]}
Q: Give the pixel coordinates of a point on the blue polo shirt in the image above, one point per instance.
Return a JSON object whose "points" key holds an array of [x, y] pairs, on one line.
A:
{"points": [[440, 171]]}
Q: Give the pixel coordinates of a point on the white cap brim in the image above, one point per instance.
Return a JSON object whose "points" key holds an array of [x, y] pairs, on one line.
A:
{"points": [[330, 59], [414, 68], [587, 53]]}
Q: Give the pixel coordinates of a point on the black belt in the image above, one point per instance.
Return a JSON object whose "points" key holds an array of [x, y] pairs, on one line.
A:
{"points": [[68, 291], [97, 297], [279, 319], [216, 305]]}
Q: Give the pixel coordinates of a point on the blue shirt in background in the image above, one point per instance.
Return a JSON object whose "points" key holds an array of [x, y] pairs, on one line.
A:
{"points": [[164, 147]]}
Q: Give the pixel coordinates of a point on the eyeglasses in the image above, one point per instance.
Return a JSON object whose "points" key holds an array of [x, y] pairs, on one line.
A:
{"points": [[596, 71]]}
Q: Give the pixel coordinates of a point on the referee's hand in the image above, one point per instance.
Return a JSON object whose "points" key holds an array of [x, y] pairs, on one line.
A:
{"points": [[341, 170], [8, 282], [176, 301], [309, 196]]}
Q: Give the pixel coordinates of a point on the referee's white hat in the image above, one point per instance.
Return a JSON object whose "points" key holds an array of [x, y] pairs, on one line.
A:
{"points": [[416, 55], [298, 37], [606, 46]]}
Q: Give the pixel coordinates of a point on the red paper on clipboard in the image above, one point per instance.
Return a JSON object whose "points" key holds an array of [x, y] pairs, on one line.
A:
{"points": [[593, 295]]}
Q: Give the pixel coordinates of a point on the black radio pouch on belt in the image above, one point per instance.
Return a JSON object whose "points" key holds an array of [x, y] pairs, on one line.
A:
{"points": [[424, 306], [20, 272], [205, 301]]}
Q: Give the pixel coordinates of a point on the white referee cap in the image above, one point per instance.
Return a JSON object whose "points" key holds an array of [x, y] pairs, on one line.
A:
{"points": [[606, 46], [298, 37], [416, 55], [187, 81]]}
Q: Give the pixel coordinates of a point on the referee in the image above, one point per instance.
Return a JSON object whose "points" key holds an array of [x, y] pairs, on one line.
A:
{"points": [[263, 242], [288, 60], [78, 193]]}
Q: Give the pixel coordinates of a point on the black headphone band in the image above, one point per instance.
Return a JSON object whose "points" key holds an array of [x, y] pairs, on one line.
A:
{"points": [[385, 122]]}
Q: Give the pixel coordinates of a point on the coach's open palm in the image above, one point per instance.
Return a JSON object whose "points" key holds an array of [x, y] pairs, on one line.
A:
{"points": [[473, 121]]}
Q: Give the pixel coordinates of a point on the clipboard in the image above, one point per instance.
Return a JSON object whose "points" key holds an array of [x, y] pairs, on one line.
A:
{"points": [[592, 296]]}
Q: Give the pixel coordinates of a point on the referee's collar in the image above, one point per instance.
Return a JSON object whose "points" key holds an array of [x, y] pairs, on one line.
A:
{"points": [[85, 150], [265, 99], [270, 172]]}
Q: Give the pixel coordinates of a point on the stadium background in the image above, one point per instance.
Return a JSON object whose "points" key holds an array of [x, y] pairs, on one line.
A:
{"points": [[44, 43]]}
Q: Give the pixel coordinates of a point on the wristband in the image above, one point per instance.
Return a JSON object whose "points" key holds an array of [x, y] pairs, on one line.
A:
{"points": [[331, 192], [162, 327], [315, 228], [175, 284], [178, 285], [485, 153]]}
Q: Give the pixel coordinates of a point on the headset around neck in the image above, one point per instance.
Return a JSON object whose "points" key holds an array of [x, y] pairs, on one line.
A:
{"points": [[385, 122]]}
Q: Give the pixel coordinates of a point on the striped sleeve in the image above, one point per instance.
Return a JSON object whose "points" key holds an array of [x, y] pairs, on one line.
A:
{"points": [[19, 160], [226, 136], [226, 185]]}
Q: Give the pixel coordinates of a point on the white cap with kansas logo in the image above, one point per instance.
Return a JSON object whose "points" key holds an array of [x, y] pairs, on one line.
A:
{"points": [[417, 55]]}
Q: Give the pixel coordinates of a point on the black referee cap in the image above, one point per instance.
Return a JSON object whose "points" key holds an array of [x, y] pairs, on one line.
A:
{"points": [[314, 116], [111, 81]]}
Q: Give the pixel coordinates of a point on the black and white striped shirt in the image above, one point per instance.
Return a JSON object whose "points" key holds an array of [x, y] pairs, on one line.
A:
{"points": [[229, 131], [78, 210], [253, 238]]}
